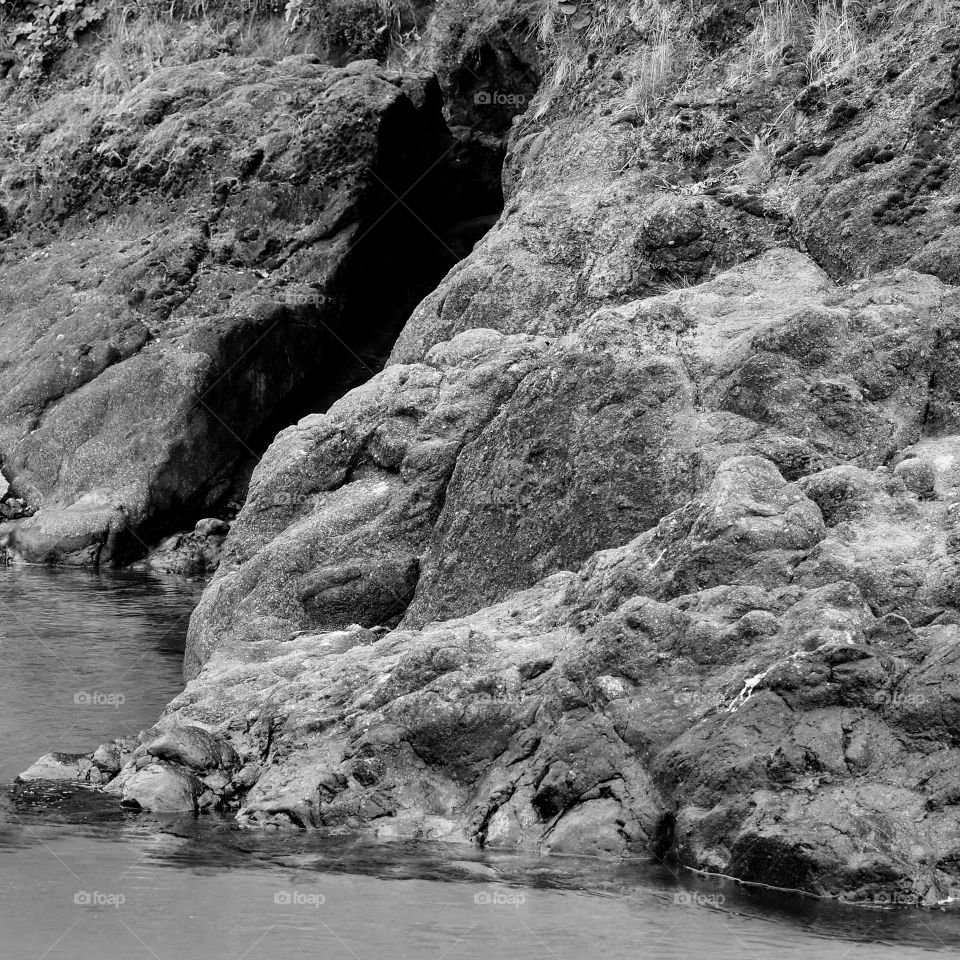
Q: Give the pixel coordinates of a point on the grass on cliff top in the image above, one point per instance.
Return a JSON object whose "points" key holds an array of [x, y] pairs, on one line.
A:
{"points": [[656, 57], [62, 88], [653, 44], [830, 37], [149, 33]]}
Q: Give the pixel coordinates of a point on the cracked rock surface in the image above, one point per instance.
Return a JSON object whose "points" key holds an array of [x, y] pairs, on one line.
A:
{"points": [[725, 687]]}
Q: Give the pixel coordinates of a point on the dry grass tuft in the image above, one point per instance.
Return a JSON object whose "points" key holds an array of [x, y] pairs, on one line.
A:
{"points": [[778, 27], [830, 37], [835, 40], [755, 167], [572, 33], [659, 62], [820, 33]]}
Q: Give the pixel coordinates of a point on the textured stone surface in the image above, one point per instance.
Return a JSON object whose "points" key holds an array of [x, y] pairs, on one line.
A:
{"points": [[193, 554], [62, 766], [720, 687], [160, 788], [645, 542], [447, 484], [180, 278], [761, 684]]}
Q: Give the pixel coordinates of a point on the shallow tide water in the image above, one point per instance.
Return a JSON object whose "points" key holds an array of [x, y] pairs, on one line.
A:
{"points": [[84, 657]]}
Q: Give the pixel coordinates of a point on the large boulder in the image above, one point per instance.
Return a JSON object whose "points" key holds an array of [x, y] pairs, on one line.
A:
{"points": [[159, 788], [192, 747], [445, 484], [629, 415], [62, 766], [195, 267], [338, 511], [705, 689]]}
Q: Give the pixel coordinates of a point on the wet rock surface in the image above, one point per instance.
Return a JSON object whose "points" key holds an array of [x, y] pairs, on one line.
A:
{"points": [[758, 685], [63, 766], [721, 688], [196, 553]]}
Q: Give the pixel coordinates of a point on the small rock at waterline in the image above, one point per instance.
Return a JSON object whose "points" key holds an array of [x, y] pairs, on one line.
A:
{"points": [[107, 757], [194, 747], [59, 766], [211, 527], [161, 788]]}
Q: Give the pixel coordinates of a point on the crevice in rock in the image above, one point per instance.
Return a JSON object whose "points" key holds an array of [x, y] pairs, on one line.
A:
{"points": [[399, 259], [418, 226]]}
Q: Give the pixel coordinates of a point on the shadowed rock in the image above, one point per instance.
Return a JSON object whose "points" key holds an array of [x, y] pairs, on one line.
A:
{"points": [[204, 255]]}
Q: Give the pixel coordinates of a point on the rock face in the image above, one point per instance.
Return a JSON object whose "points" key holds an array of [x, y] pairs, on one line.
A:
{"points": [[759, 685], [155, 324], [447, 484], [338, 512], [645, 541], [762, 684]]}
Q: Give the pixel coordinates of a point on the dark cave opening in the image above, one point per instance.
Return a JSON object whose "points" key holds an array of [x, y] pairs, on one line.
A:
{"points": [[420, 225], [433, 219], [434, 193], [399, 259]]}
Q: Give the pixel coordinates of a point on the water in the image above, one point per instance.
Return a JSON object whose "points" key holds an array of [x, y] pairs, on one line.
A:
{"points": [[84, 657]]}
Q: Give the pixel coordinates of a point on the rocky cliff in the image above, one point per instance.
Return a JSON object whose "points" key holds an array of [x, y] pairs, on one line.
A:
{"points": [[644, 542], [194, 262]]}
